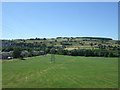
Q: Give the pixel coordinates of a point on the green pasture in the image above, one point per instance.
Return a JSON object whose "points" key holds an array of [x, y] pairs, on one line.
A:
{"points": [[66, 72]]}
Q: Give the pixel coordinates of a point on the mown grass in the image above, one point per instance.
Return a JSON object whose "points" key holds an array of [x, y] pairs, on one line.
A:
{"points": [[67, 72]]}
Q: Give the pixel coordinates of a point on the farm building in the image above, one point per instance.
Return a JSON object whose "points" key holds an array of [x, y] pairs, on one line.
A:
{"points": [[25, 53], [38, 52]]}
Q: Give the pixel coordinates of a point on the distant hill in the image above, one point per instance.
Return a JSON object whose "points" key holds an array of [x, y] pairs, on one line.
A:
{"points": [[64, 43], [100, 38]]}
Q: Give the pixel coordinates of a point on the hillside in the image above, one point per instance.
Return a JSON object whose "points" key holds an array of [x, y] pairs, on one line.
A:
{"points": [[68, 43]]}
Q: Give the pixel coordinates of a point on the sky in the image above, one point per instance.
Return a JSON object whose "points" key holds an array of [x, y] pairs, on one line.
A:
{"points": [[24, 20]]}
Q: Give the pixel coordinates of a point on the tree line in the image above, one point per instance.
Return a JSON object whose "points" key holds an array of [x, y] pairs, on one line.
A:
{"points": [[88, 52], [62, 51]]}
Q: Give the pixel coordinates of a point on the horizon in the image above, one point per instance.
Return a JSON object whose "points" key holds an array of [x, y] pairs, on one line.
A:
{"points": [[56, 38], [25, 20]]}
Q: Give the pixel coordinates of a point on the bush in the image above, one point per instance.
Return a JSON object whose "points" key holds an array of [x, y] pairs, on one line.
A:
{"points": [[110, 54], [52, 51], [21, 57], [87, 52], [101, 54], [16, 53], [106, 54]]}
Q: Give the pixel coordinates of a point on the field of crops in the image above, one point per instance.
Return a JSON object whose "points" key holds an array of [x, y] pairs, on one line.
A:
{"points": [[66, 72]]}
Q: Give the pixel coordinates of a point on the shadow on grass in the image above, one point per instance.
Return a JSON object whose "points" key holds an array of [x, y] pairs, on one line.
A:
{"points": [[22, 59]]}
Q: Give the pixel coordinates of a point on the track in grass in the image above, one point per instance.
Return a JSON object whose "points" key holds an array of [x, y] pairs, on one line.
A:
{"points": [[67, 72]]}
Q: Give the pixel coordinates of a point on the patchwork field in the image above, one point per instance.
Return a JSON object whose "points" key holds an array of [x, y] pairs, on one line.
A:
{"points": [[67, 72]]}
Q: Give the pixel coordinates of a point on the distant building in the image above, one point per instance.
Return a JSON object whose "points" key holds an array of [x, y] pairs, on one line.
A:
{"points": [[38, 52], [5, 55], [25, 53], [41, 52]]}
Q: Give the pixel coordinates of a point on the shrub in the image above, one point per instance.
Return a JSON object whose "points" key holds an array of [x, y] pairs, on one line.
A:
{"points": [[16, 53], [21, 57], [106, 54], [110, 54]]}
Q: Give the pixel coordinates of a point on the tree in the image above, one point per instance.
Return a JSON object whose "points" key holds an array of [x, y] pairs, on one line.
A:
{"points": [[88, 53], [47, 50], [16, 53], [96, 53], [110, 54], [91, 44], [44, 39], [52, 51], [60, 51], [80, 52], [7, 49], [55, 40], [74, 52], [118, 42], [21, 57], [30, 54], [106, 54], [100, 54], [65, 52]]}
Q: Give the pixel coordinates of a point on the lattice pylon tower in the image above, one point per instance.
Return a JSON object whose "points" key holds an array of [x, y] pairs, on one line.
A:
{"points": [[52, 58]]}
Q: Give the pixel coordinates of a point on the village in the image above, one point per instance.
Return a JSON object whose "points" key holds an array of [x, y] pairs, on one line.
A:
{"points": [[25, 53]]}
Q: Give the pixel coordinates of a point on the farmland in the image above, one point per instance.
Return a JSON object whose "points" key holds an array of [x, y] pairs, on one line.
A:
{"points": [[64, 42], [66, 72]]}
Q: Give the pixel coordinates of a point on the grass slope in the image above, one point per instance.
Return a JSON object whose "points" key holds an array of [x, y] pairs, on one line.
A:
{"points": [[67, 72]]}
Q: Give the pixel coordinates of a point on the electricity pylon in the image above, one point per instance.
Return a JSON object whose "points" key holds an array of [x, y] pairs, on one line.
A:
{"points": [[52, 58], [44, 48], [53, 55]]}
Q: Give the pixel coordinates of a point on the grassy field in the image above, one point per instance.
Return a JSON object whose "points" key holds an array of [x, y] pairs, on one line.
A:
{"points": [[67, 72]]}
